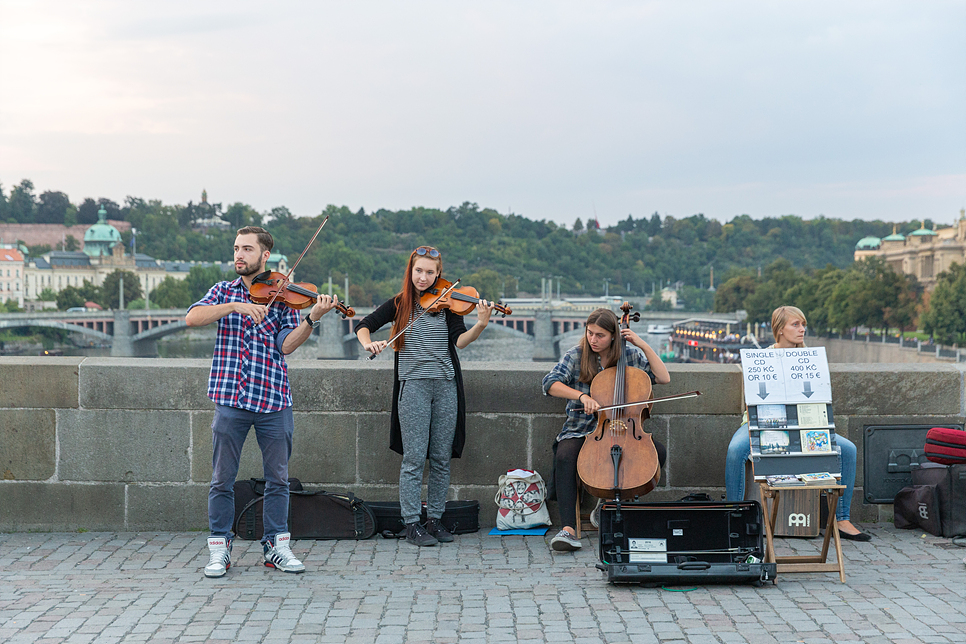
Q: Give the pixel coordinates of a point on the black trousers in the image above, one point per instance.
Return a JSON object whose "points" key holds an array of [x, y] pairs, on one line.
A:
{"points": [[565, 475]]}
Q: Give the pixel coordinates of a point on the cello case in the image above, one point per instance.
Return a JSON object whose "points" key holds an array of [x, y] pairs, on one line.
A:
{"points": [[693, 541]]}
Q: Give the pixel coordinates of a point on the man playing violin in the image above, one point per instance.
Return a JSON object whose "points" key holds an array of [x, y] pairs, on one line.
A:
{"points": [[570, 379], [249, 386], [428, 405]]}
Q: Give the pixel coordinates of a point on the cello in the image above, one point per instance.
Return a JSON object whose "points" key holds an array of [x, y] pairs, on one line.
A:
{"points": [[618, 457]]}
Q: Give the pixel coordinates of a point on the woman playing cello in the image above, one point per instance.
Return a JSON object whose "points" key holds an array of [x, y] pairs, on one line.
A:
{"points": [[428, 406], [570, 379]]}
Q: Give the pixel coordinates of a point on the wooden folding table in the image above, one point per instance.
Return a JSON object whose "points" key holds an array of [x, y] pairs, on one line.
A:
{"points": [[803, 563]]}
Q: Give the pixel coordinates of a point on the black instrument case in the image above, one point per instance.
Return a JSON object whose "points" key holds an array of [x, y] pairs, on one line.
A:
{"points": [[686, 542]]}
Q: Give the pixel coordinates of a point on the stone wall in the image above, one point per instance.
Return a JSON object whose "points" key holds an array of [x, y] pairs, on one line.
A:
{"points": [[125, 444], [858, 351]]}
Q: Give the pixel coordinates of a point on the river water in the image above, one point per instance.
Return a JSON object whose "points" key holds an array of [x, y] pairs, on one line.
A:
{"points": [[496, 345]]}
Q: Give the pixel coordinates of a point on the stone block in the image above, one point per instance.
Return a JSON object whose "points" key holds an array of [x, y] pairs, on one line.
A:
{"points": [[44, 382], [896, 389], [169, 508], [508, 387], [378, 464], [142, 383], [27, 444], [495, 443], [250, 465], [543, 433], [340, 385], [62, 507], [121, 445], [720, 387], [324, 448], [697, 450]]}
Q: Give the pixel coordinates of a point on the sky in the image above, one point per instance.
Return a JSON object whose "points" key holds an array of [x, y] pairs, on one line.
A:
{"points": [[551, 110]]}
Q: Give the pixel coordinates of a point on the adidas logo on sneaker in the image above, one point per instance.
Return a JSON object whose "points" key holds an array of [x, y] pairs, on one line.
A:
{"points": [[278, 554]]}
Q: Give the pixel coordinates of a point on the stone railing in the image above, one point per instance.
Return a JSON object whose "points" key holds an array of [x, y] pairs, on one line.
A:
{"points": [[125, 444]]}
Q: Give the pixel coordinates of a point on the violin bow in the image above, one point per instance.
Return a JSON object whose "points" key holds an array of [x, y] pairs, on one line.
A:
{"points": [[291, 270], [408, 326], [690, 394]]}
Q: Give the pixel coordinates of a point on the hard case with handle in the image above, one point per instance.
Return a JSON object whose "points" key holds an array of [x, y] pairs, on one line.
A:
{"points": [[695, 541]]}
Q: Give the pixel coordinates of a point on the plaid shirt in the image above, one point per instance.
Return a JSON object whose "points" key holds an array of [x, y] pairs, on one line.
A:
{"points": [[567, 371], [247, 369]]}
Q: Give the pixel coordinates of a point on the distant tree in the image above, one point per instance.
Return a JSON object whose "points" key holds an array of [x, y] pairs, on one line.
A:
{"points": [[240, 215], [731, 295], [3, 204], [945, 317], [487, 281], [111, 207], [70, 296], [110, 289], [696, 299], [22, 205], [10, 306], [87, 212], [658, 303], [172, 293], [71, 243], [38, 250], [280, 215], [52, 208], [201, 278], [47, 295], [578, 225]]}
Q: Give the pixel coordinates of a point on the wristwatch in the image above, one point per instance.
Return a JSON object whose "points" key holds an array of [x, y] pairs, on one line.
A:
{"points": [[314, 325]]}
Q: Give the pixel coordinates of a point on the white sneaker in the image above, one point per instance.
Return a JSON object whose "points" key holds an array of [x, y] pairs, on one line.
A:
{"points": [[219, 557], [279, 554], [595, 515], [565, 542]]}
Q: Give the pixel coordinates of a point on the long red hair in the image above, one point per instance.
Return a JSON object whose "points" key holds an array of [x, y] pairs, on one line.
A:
{"points": [[408, 296]]}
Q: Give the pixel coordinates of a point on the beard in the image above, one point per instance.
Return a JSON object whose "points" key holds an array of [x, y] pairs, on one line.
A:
{"points": [[249, 269]]}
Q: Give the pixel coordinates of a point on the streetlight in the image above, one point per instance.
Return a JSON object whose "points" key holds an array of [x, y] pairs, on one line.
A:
{"points": [[606, 287]]}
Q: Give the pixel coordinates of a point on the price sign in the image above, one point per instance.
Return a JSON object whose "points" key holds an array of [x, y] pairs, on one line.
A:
{"points": [[786, 376]]}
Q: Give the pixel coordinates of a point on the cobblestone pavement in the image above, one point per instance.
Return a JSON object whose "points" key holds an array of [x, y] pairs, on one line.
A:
{"points": [[902, 587]]}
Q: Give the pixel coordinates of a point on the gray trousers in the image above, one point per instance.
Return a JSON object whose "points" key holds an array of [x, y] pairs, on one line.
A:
{"points": [[427, 419]]}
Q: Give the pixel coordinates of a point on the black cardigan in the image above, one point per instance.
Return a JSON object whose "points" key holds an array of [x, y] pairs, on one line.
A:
{"points": [[386, 314]]}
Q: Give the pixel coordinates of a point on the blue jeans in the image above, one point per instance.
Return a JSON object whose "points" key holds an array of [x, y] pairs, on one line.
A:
{"points": [[740, 449], [229, 430]]}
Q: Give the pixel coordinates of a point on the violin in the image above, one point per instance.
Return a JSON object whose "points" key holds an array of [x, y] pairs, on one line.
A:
{"points": [[273, 286], [460, 300], [618, 456]]}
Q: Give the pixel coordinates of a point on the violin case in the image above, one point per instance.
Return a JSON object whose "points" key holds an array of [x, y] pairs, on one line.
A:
{"points": [[459, 517], [693, 541]]}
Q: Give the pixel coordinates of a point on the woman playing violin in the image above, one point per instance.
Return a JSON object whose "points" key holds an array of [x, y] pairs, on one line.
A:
{"points": [[570, 379], [428, 406]]}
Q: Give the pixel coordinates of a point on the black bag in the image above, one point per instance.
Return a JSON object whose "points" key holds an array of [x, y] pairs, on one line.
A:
{"points": [[917, 506], [690, 542], [950, 482], [313, 515], [247, 491], [459, 517]]}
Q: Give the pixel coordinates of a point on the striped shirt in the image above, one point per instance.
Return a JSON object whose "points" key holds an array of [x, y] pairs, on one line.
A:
{"points": [[567, 371], [425, 353], [248, 370]]}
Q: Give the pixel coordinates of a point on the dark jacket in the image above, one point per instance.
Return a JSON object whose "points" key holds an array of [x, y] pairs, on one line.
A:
{"points": [[384, 315]]}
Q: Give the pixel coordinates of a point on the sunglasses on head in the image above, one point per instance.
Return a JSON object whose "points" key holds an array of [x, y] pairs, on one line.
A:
{"points": [[427, 250]]}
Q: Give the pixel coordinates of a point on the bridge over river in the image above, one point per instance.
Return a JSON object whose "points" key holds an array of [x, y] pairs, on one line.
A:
{"points": [[134, 333]]}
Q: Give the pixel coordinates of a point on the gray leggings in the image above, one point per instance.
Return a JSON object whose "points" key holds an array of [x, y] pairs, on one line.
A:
{"points": [[427, 418]]}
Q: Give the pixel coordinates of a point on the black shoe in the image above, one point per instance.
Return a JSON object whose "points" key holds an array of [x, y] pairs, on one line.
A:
{"points": [[436, 528], [417, 535], [858, 536]]}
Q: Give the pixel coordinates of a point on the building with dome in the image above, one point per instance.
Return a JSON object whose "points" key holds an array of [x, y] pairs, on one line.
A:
{"points": [[102, 254], [924, 253]]}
